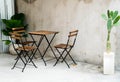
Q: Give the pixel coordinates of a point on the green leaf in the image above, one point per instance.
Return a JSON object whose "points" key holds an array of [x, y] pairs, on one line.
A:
{"points": [[12, 23], [104, 16], [6, 32], [111, 14], [116, 19], [117, 24], [114, 15], [7, 42], [19, 16], [108, 13], [109, 24]]}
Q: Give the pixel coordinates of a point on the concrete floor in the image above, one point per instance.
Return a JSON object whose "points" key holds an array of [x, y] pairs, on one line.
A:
{"points": [[82, 72]]}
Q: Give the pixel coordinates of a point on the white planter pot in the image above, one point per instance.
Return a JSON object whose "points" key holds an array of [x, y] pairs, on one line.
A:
{"points": [[109, 63]]}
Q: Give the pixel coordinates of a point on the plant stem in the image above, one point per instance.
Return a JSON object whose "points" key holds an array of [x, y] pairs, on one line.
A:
{"points": [[108, 42], [108, 36]]}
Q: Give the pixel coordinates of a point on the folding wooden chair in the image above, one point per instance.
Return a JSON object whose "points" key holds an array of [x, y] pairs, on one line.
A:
{"points": [[23, 49], [67, 48]]}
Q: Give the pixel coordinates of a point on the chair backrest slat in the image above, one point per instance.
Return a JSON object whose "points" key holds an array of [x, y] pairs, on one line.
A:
{"points": [[19, 31], [74, 31], [15, 38], [72, 35], [16, 34], [20, 28]]}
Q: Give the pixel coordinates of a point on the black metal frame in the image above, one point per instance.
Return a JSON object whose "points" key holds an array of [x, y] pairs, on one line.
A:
{"points": [[22, 55], [42, 36], [67, 49]]}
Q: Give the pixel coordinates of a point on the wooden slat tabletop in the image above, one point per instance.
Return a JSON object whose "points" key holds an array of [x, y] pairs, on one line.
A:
{"points": [[43, 32]]}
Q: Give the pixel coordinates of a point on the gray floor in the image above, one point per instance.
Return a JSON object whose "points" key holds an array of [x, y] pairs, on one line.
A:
{"points": [[82, 72]]}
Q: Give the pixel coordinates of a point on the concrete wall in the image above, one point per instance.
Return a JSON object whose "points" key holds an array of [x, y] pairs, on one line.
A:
{"points": [[115, 5], [66, 15]]}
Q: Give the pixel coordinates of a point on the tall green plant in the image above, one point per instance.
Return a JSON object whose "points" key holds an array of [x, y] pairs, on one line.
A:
{"points": [[112, 18]]}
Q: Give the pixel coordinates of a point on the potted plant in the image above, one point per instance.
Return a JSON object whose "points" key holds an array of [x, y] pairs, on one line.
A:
{"points": [[112, 19], [16, 21]]}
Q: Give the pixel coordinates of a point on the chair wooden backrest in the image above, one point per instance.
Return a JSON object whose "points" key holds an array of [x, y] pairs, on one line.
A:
{"points": [[20, 30], [72, 38], [17, 35]]}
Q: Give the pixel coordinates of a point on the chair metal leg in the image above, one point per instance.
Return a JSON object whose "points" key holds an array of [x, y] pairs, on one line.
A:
{"points": [[61, 57], [72, 59], [15, 62], [31, 60], [27, 55], [24, 67], [68, 53], [18, 57]]}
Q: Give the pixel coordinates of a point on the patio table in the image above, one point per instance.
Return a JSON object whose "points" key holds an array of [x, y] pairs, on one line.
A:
{"points": [[43, 34]]}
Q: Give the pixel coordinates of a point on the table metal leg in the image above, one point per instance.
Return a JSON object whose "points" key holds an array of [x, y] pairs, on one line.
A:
{"points": [[37, 49], [49, 45]]}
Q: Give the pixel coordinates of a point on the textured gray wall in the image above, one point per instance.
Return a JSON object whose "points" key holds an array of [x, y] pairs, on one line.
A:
{"points": [[65, 15], [115, 6]]}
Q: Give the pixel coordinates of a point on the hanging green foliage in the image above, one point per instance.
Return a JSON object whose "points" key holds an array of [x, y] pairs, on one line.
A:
{"points": [[16, 21]]}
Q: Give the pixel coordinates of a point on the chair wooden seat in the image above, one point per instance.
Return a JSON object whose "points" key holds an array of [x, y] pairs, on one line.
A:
{"points": [[62, 46], [26, 48]]}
